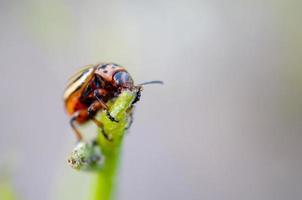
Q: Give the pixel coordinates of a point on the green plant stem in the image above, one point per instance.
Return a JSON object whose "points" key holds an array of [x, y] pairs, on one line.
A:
{"points": [[120, 109], [106, 178]]}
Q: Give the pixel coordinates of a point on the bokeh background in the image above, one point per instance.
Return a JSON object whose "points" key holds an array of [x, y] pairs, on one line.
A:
{"points": [[226, 124]]}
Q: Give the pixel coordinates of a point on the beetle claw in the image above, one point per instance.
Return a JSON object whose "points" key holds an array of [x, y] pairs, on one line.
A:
{"points": [[138, 95], [111, 117], [107, 136]]}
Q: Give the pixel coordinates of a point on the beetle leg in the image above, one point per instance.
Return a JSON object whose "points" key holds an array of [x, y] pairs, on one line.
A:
{"points": [[101, 126], [76, 131], [80, 116], [138, 94], [97, 95], [92, 109], [110, 117]]}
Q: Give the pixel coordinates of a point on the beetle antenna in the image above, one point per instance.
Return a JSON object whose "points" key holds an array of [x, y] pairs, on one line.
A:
{"points": [[151, 82]]}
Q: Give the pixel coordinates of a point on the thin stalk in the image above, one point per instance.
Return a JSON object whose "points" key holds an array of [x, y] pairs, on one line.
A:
{"points": [[120, 109]]}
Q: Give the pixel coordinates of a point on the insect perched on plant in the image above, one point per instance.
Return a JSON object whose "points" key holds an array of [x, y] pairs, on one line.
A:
{"points": [[92, 87]]}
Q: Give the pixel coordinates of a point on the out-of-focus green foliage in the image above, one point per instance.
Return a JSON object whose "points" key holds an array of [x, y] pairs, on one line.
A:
{"points": [[6, 191]]}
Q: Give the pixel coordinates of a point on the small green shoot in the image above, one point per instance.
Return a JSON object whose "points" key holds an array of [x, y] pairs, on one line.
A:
{"points": [[120, 109]]}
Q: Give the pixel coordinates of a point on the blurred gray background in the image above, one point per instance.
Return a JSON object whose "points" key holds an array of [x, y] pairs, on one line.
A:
{"points": [[226, 125]]}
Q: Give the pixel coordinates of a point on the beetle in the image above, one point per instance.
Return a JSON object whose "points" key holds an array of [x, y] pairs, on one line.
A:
{"points": [[92, 87]]}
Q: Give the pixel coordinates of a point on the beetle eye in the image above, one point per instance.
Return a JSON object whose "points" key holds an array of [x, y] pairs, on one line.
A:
{"points": [[123, 79]]}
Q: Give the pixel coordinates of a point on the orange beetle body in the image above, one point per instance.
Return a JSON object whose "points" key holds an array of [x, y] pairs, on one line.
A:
{"points": [[90, 89]]}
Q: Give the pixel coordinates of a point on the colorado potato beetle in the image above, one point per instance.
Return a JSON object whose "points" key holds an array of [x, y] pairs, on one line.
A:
{"points": [[92, 87]]}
